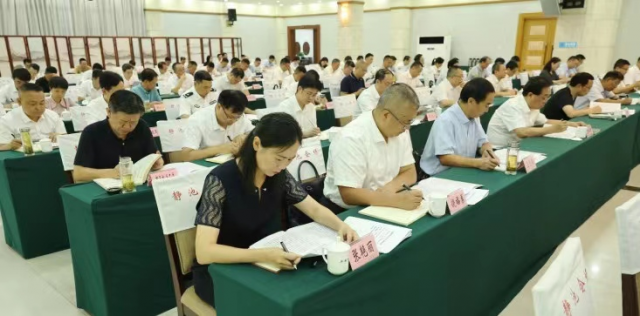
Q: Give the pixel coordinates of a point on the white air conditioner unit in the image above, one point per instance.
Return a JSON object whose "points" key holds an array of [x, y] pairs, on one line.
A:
{"points": [[563, 7], [434, 46]]}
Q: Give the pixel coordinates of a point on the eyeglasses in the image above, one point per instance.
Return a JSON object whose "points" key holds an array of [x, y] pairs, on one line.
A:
{"points": [[406, 126]]}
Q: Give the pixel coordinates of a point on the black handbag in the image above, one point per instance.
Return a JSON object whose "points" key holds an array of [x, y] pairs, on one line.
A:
{"points": [[314, 188]]}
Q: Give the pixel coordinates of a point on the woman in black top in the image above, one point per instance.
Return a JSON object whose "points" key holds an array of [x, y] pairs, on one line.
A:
{"points": [[549, 71], [243, 198]]}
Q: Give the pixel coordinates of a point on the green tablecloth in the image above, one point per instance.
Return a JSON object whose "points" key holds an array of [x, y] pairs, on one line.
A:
{"points": [[120, 261], [169, 96], [257, 91], [482, 256], [32, 213], [68, 126], [326, 119]]}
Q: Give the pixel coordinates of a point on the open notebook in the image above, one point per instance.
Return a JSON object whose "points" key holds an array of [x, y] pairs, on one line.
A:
{"points": [[220, 159], [141, 171], [396, 215], [306, 240], [569, 134]]}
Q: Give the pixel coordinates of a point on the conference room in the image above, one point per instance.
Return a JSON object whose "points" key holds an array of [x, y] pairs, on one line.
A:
{"points": [[429, 157]]}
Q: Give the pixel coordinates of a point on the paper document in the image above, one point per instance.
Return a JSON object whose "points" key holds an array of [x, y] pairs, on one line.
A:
{"points": [[474, 196], [396, 215], [220, 159], [108, 183], [443, 186], [607, 107], [387, 236], [569, 134], [502, 155], [306, 240]]}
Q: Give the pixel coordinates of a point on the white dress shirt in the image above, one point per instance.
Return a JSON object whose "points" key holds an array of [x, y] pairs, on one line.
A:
{"points": [[513, 114], [411, 81], [204, 131], [96, 110], [86, 75], [499, 85], [191, 101], [8, 94], [361, 158], [186, 84], [565, 71], [306, 117], [287, 81], [88, 92], [14, 120], [280, 74], [330, 72], [445, 91], [632, 76], [222, 83], [165, 76], [129, 83], [224, 69], [367, 101], [248, 74], [597, 92], [476, 72], [291, 88]]}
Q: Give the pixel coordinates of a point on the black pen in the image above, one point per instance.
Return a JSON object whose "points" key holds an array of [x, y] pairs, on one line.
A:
{"points": [[229, 138], [491, 154], [407, 188], [285, 250]]}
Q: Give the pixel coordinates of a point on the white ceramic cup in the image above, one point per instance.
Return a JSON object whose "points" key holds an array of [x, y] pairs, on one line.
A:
{"points": [[337, 258], [438, 111], [581, 132], [437, 204], [45, 145], [66, 115]]}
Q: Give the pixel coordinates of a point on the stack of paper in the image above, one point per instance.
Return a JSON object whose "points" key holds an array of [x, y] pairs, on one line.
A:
{"points": [[443, 186], [396, 215], [569, 134], [502, 155], [387, 236], [607, 107]]}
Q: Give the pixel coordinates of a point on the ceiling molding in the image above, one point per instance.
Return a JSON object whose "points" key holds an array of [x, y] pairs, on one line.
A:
{"points": [[336, 12]]}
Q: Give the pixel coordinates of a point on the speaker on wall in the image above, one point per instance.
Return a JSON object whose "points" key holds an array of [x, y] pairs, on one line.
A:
{"points": [[231, 15]]}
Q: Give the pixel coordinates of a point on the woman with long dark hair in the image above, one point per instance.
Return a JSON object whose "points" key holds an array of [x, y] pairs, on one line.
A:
{"points": [[243, 198], [549, 71]]}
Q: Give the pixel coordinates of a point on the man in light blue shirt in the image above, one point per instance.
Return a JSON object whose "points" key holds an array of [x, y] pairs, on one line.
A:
{"points": [[146, 90], [568, 69], [457, 136]]}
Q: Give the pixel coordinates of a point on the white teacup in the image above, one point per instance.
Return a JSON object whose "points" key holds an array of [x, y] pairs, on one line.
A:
{"points": [[437, 204], [45, 145], [337, 257], [66, 115], [581, 132]]}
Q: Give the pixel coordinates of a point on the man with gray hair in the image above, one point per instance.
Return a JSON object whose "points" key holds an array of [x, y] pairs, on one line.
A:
{"points": [[478, 70], [447, 92], [372, 161]]}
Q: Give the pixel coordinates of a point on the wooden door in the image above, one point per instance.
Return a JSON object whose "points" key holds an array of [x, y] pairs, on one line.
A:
{"points": [[534, 45]]}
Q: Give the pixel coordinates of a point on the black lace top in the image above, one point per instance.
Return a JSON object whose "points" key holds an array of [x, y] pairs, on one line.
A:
{"points": [[243, 217]]}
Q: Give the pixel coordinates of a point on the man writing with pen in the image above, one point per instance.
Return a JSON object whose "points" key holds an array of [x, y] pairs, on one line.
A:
{"points": [[219, 129], [457, 139], [301, 105]]}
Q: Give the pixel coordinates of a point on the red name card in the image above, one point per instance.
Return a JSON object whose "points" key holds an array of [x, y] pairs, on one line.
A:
{"points": [[529, 163], [163, 174], [158, 106], [431, 116], [251, 97], [329, 105], [589, 131], [363, 251], [154, 131], [456, 201], [256, 86]]}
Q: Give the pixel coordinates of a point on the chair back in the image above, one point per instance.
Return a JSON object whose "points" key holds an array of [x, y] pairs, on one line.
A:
{"points": [[628, 220], [564, 289]]}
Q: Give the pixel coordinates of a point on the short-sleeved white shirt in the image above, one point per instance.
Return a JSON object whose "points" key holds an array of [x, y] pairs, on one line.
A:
{"points": [[445, 91], [291, 88], [632, 76], [500, 85], [306, 117], [222, 83], [287, 81], [513, 114], [186, 84], [132, 81], [165, 76], [10, 124], [88, 92], [191, 101], [204, 131], [597, 92], [280, 74], [360, 158], [406, 78], [8, 94], [367, 101], [96, 110]]}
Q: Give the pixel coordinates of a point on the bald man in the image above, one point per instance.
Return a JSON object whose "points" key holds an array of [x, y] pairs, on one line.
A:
{"points": [[354, 83], [372, 160]]}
